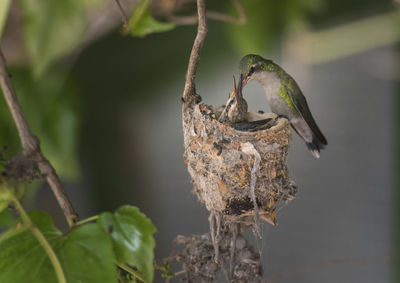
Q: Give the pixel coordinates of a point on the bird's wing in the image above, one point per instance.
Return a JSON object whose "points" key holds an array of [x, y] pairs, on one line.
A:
{"points": [[300, 103]]}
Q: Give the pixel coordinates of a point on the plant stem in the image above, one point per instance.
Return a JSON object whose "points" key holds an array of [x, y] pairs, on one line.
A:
{"points": [[135, 273], [91, 218], [25, 218], [123, 15], [50, 253], [43, 242]]}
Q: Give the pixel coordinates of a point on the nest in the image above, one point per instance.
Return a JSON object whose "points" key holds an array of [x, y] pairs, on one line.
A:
{"points": [[238, 171]]}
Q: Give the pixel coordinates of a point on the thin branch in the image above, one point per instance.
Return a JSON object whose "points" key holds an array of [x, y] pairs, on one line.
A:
{"points": [[242, 14], [178, 273], [30, 143], [189, 90], [122, 12], [193, 19], [90, 219], [131, 271], [183, 20]]}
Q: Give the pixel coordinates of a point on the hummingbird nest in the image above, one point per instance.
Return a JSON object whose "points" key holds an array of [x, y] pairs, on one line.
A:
{"points": [[238, 169]]}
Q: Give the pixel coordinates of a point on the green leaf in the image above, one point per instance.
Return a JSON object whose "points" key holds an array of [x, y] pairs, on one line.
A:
{"points": [[85, 254], [4, 5], [142, 22], [132, 234], [52, 29], [6, 219]]}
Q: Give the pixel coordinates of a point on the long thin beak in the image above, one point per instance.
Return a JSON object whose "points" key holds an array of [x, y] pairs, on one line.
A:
{"points": [[234, 88], [242, 83], [240, 86]]}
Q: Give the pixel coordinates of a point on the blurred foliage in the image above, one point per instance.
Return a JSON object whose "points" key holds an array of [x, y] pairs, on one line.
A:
{"points": [[52, 29], [334, 10], [266, 20], [142, 22], [52, 108]]}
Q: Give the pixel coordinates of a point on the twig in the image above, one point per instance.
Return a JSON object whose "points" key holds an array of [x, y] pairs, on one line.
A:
{"points": [[225, 273], [131, 271], [191, 20], [30, 143], [90, 219], [188, 92], [122, 12], [178, 273]]}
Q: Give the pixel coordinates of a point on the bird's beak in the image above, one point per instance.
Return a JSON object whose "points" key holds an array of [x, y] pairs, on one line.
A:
{"points": [[242, 82], [234, 88]]}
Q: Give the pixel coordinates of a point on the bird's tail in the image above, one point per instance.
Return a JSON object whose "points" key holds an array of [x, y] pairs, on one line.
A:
{"points": [[315, 146]]}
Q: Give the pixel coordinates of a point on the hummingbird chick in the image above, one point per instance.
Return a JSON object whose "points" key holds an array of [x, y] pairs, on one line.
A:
{"points": [[284, 98], [236, 107]]}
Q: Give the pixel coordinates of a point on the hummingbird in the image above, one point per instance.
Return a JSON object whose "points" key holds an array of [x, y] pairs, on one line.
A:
{"points": [[235, 113], [236, 107], [284, 98]]}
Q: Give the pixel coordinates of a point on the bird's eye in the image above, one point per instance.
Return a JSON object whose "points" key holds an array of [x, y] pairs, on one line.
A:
{"points": [[251, 71]]}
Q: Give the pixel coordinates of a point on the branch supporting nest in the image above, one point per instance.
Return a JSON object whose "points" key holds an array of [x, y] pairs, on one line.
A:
{"points": [[31, 145], [189, 96]]}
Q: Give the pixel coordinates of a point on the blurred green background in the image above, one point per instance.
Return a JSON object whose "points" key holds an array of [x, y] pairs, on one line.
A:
{"points": [[106, 107]]}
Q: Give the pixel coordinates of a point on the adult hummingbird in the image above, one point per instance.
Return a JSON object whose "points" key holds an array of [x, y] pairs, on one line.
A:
{"points": [[284, 97]]}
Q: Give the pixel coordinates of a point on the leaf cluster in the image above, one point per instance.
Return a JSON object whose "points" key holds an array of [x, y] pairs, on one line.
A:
{"points": [[117, 245]]}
